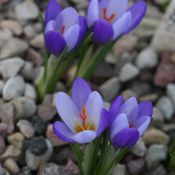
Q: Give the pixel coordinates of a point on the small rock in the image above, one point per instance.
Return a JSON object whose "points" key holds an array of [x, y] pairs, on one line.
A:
{"points": [[166, 107], [29, 31], [53, 138], [27, 71], [158, 119], [30, 92], [5, 35], [128, 93], [26, 128], [38, 124], [37, 145], [119, 170], [136, 167], [27, 10], [50, 169], [158, 170], [11, 166], [111, 59], [139, 149], [171, 92], [155, 154], [13, 25], [2, 145], [33, 161], [155, 136], [1, 87], [128, 72], [72, 167], [13, 47], [16, 139], [38, 41], [46, 110], [148, 58], [24, 107], [10, 67], [110, 88], [2, 170]]}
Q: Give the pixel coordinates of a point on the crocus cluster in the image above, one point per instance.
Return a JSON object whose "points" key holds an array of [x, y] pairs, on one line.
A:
{"points": [[84, 117], [106, 19]]}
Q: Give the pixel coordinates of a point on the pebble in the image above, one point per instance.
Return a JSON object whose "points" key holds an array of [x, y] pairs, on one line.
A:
{"points": [[158, 118], [139, 149], [27, 10], [26, 128], [155, 136], [24, 107], [2, 145], [30, 92], [38, 41], [171, 92], [155, 154], [11, 166], [158, 170], [148, 58], [33, 161], [166, 107], [110, 88], [29, 31], [128, 72], [1, 87], [111, 59], [37, 145], [119, 170], [13, 47], [27, 71], [10, 67], [16, 139], [5, 35], [2, 170], [50, 169]]}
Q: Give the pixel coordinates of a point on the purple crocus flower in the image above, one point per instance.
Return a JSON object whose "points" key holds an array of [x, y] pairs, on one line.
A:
{"points": [[63, 28], [128, 121], [112, 18], [83, 115]]}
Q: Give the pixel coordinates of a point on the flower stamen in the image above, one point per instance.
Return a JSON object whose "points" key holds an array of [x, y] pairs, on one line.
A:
{"points": [[108, 18], [63, 29]]}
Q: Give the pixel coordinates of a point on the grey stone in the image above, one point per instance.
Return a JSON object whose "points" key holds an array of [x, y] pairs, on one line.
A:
{"points": [[13, 47], [1, 86], [28, 71], [166, 107], [24, 107], [158, 118], [128, 72], [5, 35], [11, 166], [30, 92], [26, 10], [158, 170], [26, 128], [10, 67], [119, 170], [171, 92], [155, 154], [2, 145], [29, 31], [14, 87], [38, 41], [147, 58], [33, 161], [139, 149], [3, 171], [110, 88]]}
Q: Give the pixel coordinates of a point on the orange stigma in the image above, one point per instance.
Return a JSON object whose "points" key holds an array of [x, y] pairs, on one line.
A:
{"points": [[108, 18], [62, 29], [83, 116]]}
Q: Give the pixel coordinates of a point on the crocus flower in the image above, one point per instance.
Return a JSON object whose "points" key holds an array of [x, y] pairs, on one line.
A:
{"points": [[112, 18], [128, 121], [83, 115], [63, 28]]}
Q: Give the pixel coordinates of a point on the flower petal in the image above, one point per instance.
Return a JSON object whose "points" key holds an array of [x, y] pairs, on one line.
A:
{"points": [[94, 107], [61, 131], [145, 109], [103, 123], [126, 138], [93, 12], [71, 36], [67, 110], [103, 31], [120, 123], [142, 124], [115, 107], [51, 26], [80, 93], [67, 18], [54, 42], [52, 10], [138, 11], [121, 25], [86, 136]]}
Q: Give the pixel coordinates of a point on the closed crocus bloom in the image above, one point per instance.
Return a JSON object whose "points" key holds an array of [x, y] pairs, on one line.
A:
{"points": [[83, 115], [128, 121], [112, 18], [63, 28]]}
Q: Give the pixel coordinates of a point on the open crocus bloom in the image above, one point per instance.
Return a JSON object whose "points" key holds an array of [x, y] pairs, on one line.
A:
{"points": [[63, 28], [83, 115], [128, 121], [112, 18]]}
